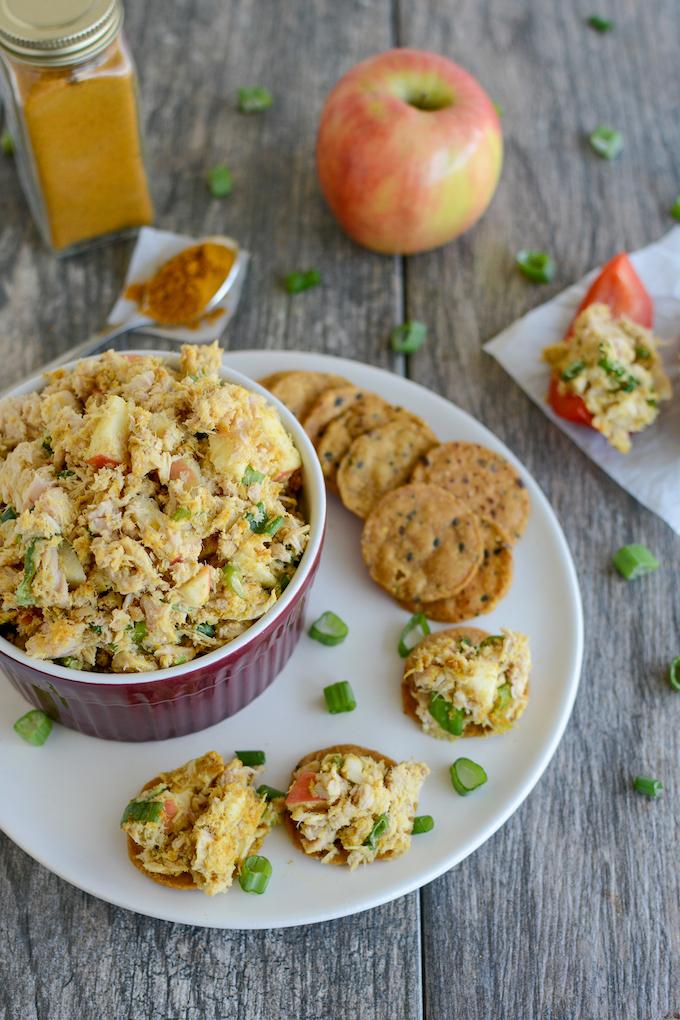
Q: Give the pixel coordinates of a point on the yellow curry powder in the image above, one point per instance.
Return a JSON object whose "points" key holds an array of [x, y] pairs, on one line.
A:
{"points": [[177, 294], [84, 134]]}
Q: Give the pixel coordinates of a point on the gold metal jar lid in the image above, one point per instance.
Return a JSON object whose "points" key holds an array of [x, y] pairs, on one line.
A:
{"points": [[58, 32]]}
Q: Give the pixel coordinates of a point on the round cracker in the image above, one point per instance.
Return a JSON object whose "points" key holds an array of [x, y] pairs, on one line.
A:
{"points": [[183, 881], [483, 479], [489, 585], [473, 634], [337, 437], [381, 460], [299, 390], [420, 542], [268, 380], [329, 405], [291, 827]]}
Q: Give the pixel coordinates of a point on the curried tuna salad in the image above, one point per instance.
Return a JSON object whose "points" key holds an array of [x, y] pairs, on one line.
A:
{"points": [[147, 514]]}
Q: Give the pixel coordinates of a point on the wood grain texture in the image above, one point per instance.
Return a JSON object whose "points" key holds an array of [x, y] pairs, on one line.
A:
{"points": [[572, 909]]}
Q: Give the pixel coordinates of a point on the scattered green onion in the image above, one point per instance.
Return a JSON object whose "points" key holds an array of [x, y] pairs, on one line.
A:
{"points": [[503, 697], [273, 525], [8, 514], [182, 513], [302, 280], [537, 266], [269, 792], [95, 628], [329, 629], [339, 697], [378, 830], [254, 100], [220, 181], [643, 353], [251, 758], [647, 786], [24, 593], [6, 144], [65, 473], [142, 811], [413, 633], [34, 727], [206, 628], [674, 674], [409, 337], [634, 561], [491, 639], [251, 476], [257, 519], [599, 24], [466, 776], [47, 445], [675, 209], [571, 371], [422, 823], [651, 402], [139, 631], [255, 874], [606, 141], [232, 576], [70, 662], [450, 718]]}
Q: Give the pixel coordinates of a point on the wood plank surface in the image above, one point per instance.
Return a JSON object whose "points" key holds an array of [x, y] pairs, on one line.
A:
{"points": [[572, 909]]}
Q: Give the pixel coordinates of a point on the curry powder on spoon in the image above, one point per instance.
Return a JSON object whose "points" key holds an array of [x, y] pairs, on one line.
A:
{"points": [[178, 293]]}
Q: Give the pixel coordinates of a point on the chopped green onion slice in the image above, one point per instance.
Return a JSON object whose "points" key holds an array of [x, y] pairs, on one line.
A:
{"points": [[647, 786], [8, 514], [450, 718], [232, 575], [220, 181], [409, 337], [633, 561], [606, 141], [254, 100], [142, 811], [491, 639], [329, 629], [675, 209], [206, 628], [65, 473], [413, 633], [139, 631], [70, 662], [182, 513], [377, 832], [572, 371], [466, 776], [47, 445], [503, 697], [6, 144], [339, 697], [600, 24], [255, 874], [537, 266], [251, 476], [302, 280], [251, 758], [273, 525], [34, 727], [674, 674], [95, 628], [24, 594], [257, 519], [643, 353], [269, 792], [422, 823]]}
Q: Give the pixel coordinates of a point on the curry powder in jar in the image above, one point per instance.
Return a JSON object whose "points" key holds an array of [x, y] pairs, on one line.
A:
{"points": [[70, 91]]}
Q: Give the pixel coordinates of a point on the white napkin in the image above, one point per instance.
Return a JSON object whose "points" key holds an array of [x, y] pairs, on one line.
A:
{"points": [[153, 248], [651, 471]]}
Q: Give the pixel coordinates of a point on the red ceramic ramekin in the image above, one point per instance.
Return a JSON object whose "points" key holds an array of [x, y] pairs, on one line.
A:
{"points": [[182, 699]]}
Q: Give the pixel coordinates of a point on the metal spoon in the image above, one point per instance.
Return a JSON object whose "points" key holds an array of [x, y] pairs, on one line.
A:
{"points": [[109, 333]]}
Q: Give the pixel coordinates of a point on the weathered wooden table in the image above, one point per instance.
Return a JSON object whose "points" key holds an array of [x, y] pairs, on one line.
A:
{"points": [[571, 911]]}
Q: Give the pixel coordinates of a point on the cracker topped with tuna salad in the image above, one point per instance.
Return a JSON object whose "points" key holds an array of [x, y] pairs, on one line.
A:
{"points": [[350, 805], [148, 514]]}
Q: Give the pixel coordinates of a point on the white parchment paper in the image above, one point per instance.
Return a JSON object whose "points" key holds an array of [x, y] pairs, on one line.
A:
{"points": [[651, 471], [153, 248]]}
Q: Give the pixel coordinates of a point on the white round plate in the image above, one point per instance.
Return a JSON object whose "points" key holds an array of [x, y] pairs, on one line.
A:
{"points": [[61, 803]]}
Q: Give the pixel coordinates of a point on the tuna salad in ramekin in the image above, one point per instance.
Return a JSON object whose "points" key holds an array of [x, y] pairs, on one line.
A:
{"points": [[157, 516]]}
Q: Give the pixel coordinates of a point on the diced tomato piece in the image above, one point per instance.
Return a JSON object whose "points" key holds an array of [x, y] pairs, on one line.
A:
{"points": [[568, 405], [170, 808], [301, 791], [619, 287]]}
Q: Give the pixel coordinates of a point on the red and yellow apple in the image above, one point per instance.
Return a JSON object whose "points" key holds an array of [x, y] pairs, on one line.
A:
{"points": [[409, 151]]}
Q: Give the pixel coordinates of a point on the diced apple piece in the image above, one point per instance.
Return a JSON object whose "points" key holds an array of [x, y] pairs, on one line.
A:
{"points": [[195, 592], [186, 468], [284, 453], [229, 456], [108, 445], [70, 564]]}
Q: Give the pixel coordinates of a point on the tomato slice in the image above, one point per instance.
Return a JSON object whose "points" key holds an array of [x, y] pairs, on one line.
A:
{"points": [[619, 287]]}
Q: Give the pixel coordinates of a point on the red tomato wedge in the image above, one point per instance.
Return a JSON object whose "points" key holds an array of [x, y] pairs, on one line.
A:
{"points": [[301, 791], [619, 287]]}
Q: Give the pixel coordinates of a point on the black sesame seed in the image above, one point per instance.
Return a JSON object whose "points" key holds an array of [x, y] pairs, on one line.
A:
{"points": [[402, 529], [409, 556], [328, 455], [360, 464], [461, 547], [455, 522], [436, 542], [339, 401], [484, 598]]}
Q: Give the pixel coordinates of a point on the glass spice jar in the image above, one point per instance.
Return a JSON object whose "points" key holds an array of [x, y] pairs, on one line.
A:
{"points": [[71, 101]]}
